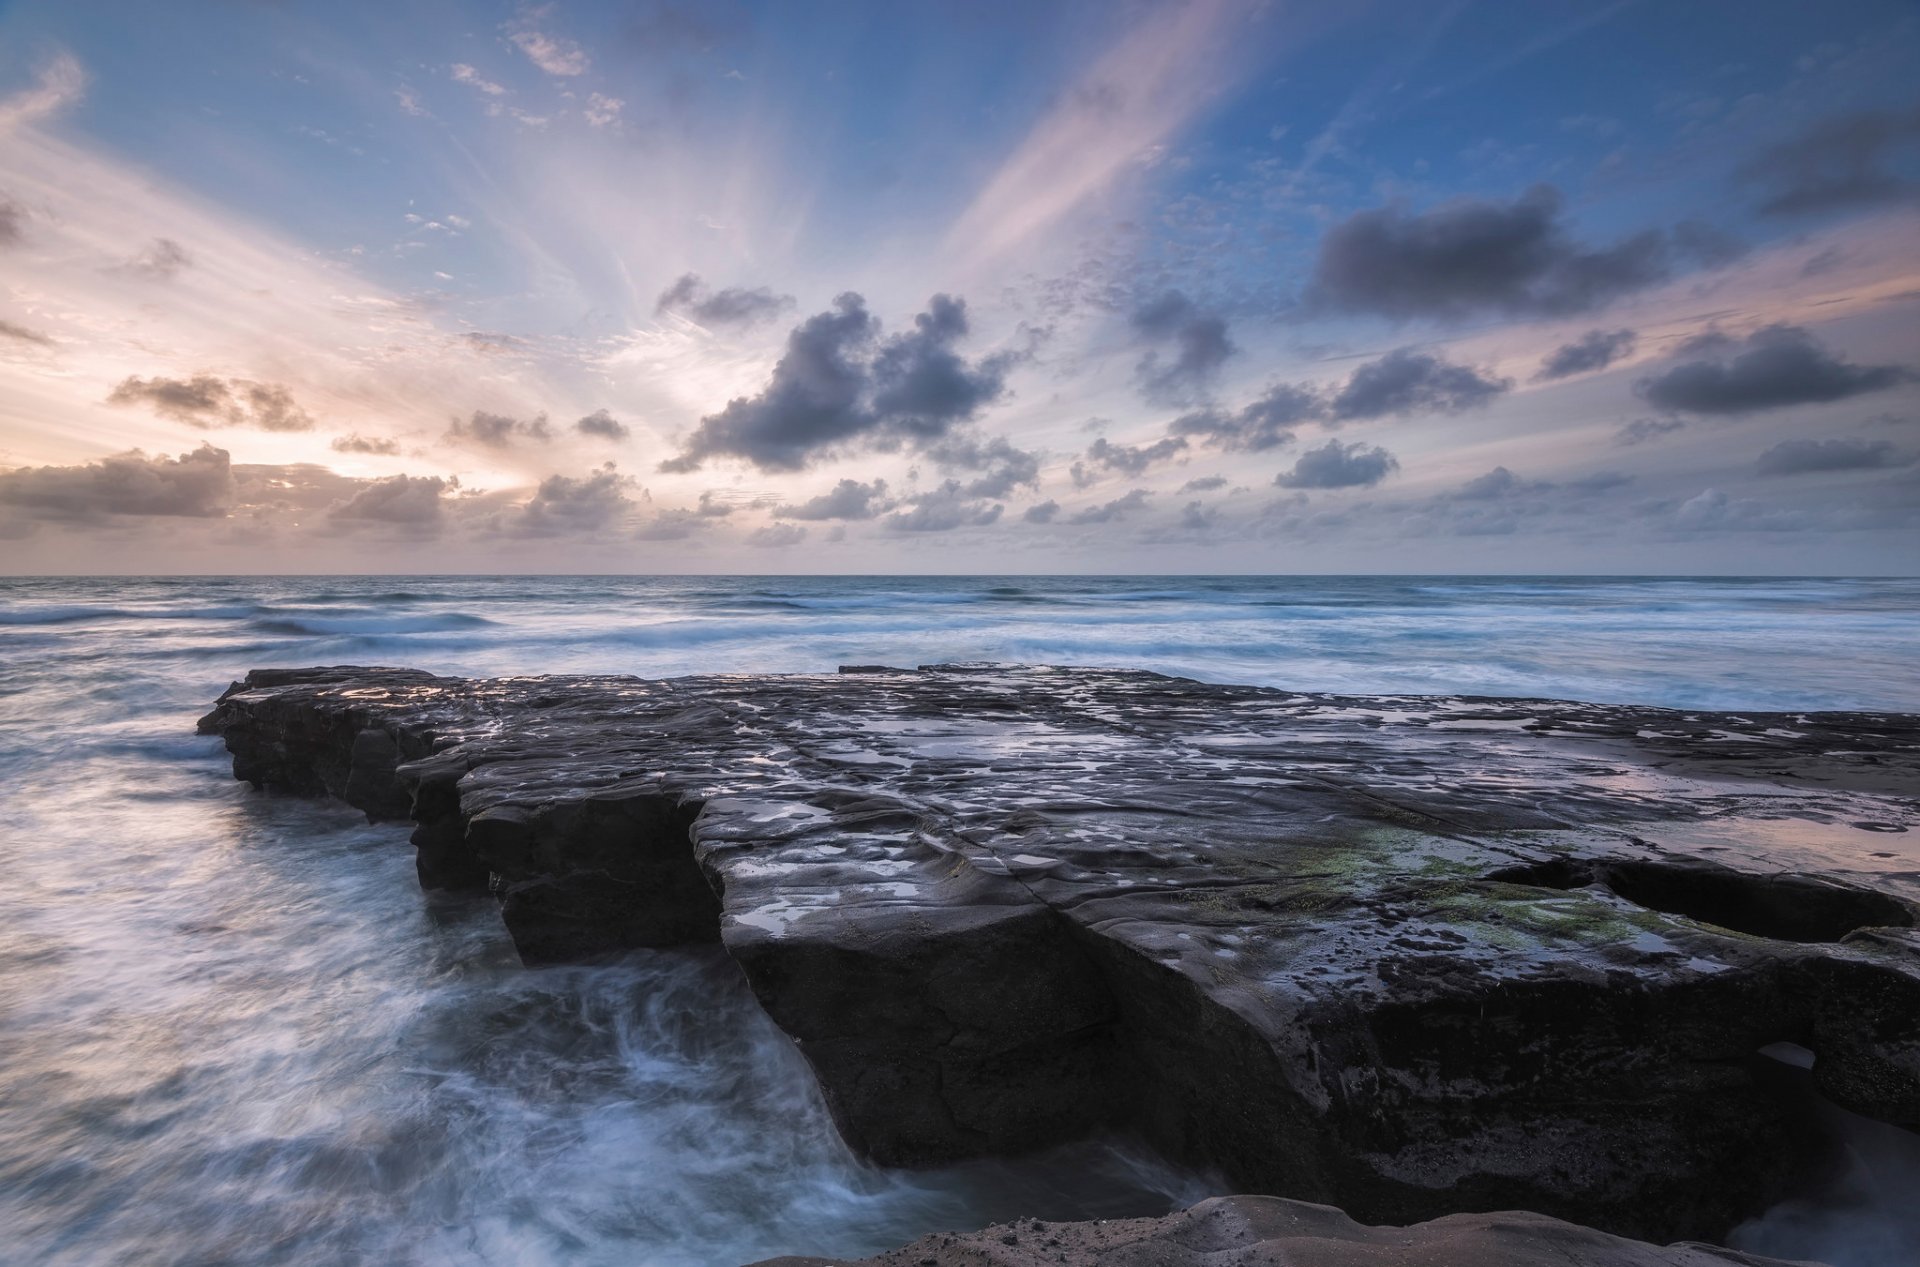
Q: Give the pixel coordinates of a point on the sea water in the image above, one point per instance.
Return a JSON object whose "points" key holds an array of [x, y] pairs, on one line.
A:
{"points": [[234, 1031]]}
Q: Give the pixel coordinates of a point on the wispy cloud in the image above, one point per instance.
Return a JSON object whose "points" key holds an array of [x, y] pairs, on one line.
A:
{"points": [[1134, 99], [61, 82]]}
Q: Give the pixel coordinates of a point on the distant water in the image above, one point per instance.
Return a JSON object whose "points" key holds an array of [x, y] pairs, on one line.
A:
{"points": [[233, 1031]]}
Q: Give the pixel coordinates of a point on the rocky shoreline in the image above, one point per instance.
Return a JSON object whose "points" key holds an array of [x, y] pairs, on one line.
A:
{"points": [[1410, 956]]}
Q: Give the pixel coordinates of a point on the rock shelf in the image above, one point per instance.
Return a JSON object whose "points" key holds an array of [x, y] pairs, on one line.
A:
{"points": [[1407, 955]]}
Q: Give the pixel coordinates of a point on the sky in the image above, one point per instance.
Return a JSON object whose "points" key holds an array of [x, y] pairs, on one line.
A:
{"points": [[1144, 286]]}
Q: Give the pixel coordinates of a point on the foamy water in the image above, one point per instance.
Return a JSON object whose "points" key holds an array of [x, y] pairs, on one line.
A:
{"points": [[233, 1030]]}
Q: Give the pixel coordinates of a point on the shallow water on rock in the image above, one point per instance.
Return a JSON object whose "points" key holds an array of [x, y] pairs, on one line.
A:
{"points": [[233, 1030]]}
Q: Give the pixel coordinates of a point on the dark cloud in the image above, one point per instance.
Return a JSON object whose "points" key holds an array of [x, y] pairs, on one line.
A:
{"points": [[1775, 367], [13, 221], [1806, 457], [1200, 347], [943, 509], [1497, 483], [775, 536], [1198, 516], [378, 446], [197, 485], [1042, 512], [1205, 484], [563, 505], [1502, 485], [1107, 512], [1337, 465], [162, 260], [1472, 256], [413, 500], [839, 383], [497, 431], [1001, 466], [603, 424], [1405, 382], [8, 330], [1707, 245], [492, 344], [1265, 424], [1837, 164], [207, 401], [1594, 350], [849, 499], [1133, 459], [1641, 430], [734, 306]]}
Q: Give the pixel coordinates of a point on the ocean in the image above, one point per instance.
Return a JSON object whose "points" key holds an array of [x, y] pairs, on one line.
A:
{"points": [[234, 1031]]}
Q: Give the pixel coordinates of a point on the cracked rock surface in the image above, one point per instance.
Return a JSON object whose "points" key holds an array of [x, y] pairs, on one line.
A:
{"points": [[1407, 955]]}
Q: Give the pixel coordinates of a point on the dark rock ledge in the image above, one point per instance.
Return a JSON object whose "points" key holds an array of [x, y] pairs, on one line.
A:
{"points": [[1411, 956]]}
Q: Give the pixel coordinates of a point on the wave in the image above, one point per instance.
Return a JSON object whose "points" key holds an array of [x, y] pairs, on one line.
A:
{"points": [[74, 614], [321, 627]]}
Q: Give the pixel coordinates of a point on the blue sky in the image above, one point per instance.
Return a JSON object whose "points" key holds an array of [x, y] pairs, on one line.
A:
{"points": [[1227, 286]]}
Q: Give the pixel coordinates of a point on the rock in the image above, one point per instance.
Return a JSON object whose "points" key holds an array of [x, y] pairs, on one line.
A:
{"points": [[1273, 1232], [1408, 955]]}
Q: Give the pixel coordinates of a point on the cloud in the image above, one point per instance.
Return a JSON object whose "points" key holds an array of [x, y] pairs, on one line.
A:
{"points": [[1002, 467], [1107, 512], [13, 220], [1472, 256], [602, 424], [1042, 512], [1838, 164], [602, 111], [564, 505], [943, 509], [1404, 382], [1148, 85], [1265, 424], [550, 53], [378, 446], [1642, 430], [734, 306], [197, 485], [671, 525], [497, 431], [839, 382], [1205, 484], [1499, 482], [1594, 350], [1806, 457], [413, 500], [1776, 366], [21, 334], [1337, 465], [490, 344], [1134, 459], [61, 82], [777, 536], [206, 401], [465, 74], [849, 499], [1201, 347], [162, 260]]}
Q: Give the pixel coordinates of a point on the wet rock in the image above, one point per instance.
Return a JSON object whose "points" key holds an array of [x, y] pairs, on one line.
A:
{"points": [[1407, 955], [1271, 1232]]}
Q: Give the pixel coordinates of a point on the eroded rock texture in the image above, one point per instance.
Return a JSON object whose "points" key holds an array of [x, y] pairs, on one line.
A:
{"points": [[1271, 1232], [1406, 955]]}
